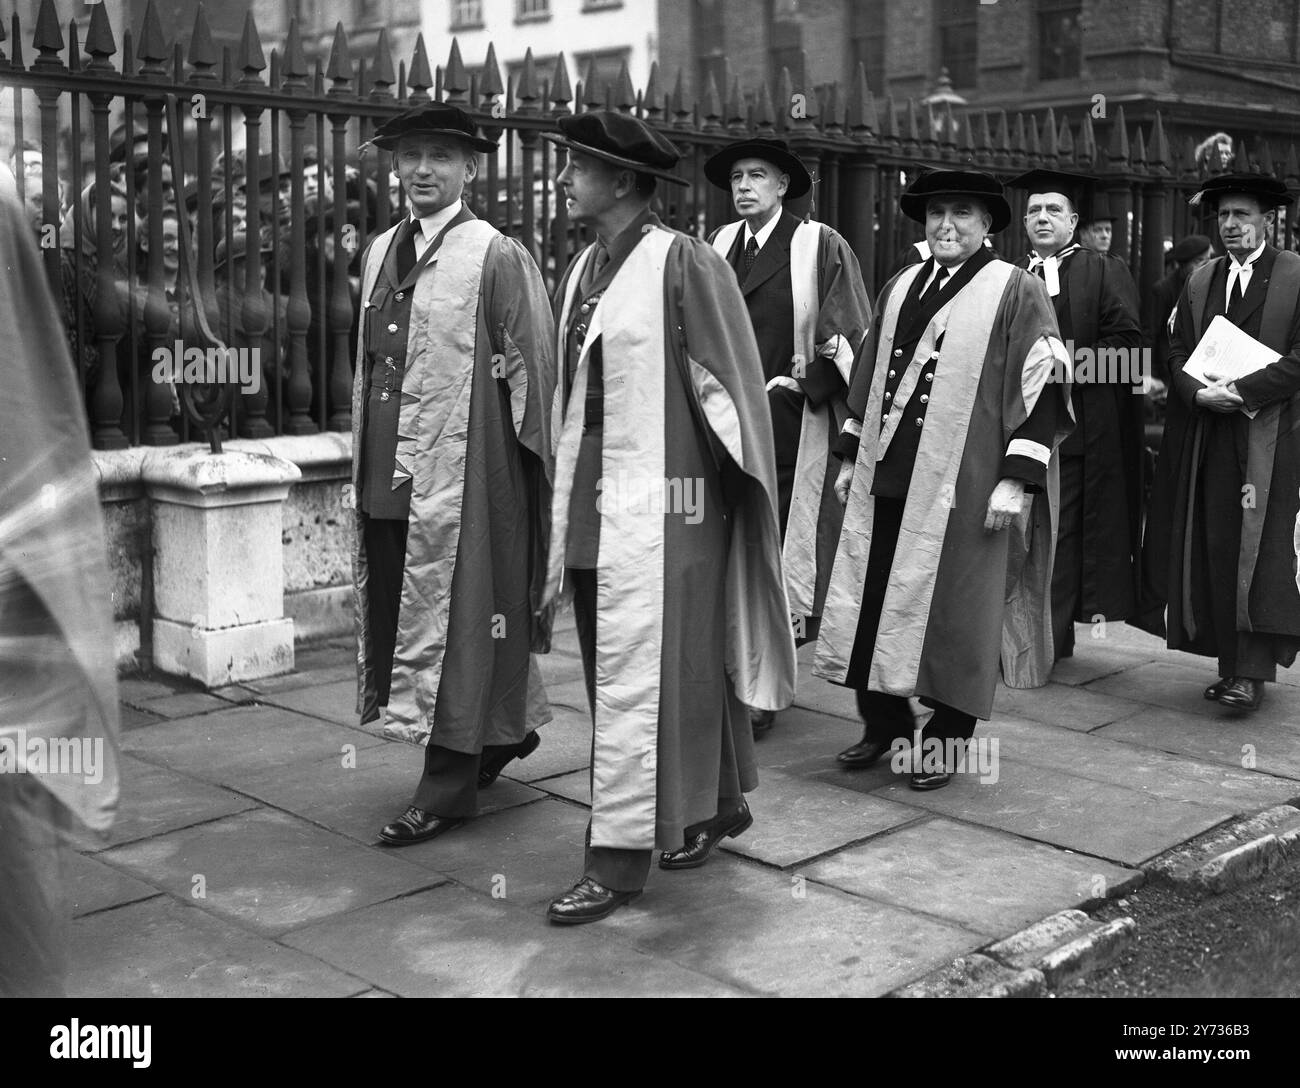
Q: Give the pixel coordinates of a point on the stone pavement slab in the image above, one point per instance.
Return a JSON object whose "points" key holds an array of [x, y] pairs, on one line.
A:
{"points": [[1108, 821], [155, 800], [1095, 659], [358, 800], [796, 819], [1065, 705], [335, 702], [984, 880], [565, 746], [1231, 741], [1180, 687], [1173, 777], [162, 948], [800, 735], [91, 885], [574, 786], [525, 855], [778, 933], [450, 942], [131, 718], [268, 871], [313, 666], [184, 704], [240, 742]]}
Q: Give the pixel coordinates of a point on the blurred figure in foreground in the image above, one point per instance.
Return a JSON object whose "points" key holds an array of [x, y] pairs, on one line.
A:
{"points": [[58, 688]]}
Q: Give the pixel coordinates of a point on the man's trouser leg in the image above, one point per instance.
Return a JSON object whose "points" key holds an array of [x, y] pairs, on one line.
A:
{"points": [[449, 785], [886, 717], [619, 870], [385, 541], [1067, 567]]}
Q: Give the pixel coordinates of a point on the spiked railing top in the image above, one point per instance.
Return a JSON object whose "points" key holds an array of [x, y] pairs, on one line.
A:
{"points": [[526, 91], [48, 38], [99, 40], [382, 76]]}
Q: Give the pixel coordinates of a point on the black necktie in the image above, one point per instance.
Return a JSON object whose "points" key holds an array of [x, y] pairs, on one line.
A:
{"points": [[751, 254], [935, 285], [1235, 300], [1040, 270], [406, 248]]}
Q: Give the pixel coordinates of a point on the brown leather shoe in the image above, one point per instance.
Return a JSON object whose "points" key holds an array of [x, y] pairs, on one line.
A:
{"points": [[587, 901], [1218, 688], [1243, 694], [863, 754], [489, 769], [700, 845], [415, 825]]}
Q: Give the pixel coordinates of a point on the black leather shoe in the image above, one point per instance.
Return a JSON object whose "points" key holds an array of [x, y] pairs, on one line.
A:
{"points": [[1243, 694], [415, 825], [1218, 688], [761, 720], [930, 780], [700, 845], [489, 769], [587, 901], [863, 754]]}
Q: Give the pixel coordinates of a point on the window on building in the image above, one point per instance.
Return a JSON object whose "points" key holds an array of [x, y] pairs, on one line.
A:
{"points": [[786, 44], [466, 14], [529, 10], [600, 5], [368, 11], [543, 69], [955, 22], [867, 40], [1060, 38], [710, 37], [605, 65]]}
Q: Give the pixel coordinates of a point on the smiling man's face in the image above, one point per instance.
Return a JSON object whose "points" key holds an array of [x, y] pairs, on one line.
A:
{"points": [[434, 171], [955, 227]]}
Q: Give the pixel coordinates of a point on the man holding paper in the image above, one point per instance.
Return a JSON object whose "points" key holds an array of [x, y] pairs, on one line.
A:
{"points": [[1218, 549]]}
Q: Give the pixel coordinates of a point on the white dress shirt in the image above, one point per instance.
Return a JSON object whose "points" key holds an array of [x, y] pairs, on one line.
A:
{"points": [[764, 232], [1243, 271], [430, 225]]}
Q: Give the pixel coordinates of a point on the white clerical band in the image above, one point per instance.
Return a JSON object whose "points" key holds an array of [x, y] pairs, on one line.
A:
{"points": [[853, 427], [781, 381], [1035, 451]]}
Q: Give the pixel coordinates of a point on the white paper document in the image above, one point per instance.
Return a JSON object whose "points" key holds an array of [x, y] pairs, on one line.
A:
{"points": [[1225, 354]]}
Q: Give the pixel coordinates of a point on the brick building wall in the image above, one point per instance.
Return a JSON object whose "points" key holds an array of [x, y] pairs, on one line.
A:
{"points": [[1205, 64]]}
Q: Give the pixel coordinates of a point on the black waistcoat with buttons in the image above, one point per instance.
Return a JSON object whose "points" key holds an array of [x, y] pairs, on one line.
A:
{"points": [[385, 331], [387, 324], [894, 470]]}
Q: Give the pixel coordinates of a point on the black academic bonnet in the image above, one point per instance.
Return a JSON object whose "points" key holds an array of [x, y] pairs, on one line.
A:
{"points": [[620, 139], [436, 119], [1269, 190], [718, 167], [974, 183]]}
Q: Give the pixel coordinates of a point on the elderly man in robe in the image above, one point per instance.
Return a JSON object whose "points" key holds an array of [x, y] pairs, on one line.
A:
{"points": [[960, 395]]}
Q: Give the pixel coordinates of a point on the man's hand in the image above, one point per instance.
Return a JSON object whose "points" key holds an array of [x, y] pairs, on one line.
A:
{"points": [[1219, 398], [844, 481], [1005, 504]]}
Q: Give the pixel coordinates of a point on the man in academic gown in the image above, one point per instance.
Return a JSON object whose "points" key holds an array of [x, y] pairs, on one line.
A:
{"points": [[1219, 548], [1094, 577], [451, 469], [664, 520], [809, 308], [960, 394]]}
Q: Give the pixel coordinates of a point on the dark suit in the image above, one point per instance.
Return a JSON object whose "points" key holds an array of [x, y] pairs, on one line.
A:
{"points": [[1096, 568]]}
